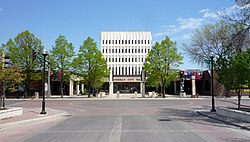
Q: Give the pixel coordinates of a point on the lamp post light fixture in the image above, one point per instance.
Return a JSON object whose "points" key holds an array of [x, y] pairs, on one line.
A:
{"points": [[212, 80], [44, 53]]}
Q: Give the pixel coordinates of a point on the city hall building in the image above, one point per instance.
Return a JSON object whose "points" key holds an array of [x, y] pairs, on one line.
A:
{"points": [[125, 53]]}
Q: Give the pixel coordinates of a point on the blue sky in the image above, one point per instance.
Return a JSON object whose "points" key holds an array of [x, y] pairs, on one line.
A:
{"points": [[78, 19]]}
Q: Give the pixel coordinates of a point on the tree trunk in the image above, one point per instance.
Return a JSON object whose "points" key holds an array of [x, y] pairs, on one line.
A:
{"points": [[164, 85], [27, 83], [61, 83], [89, 90], [239, 98]]}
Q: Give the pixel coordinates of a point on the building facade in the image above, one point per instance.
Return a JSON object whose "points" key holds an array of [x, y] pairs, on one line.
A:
{"points": [[125, 53]]}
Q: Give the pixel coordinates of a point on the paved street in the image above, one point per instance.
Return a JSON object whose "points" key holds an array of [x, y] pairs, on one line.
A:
{"points": [[134, 120]]}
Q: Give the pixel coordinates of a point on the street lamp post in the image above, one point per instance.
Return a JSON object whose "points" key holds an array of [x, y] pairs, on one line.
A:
{"points": [[212, 81], [44, 53]]}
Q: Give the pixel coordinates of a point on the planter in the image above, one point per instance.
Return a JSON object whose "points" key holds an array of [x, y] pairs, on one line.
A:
{"points": [[11, 112]]}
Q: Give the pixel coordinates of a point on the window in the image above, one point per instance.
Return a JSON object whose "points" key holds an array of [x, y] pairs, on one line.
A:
{"points": [[119, 50], [112, 41], [109, 59], [109, 41], [102, 41], [128, 59], [122, 59], [119, 59], [115, 50], [106, 50], [145, 50], [125, 50], [125, 59], [141, 59], [128, 41], [109, 50], [115, 70], [145, 41], [132, 41], [122, 41], [135, 70], [138, 50], [138, 41], [141, 50], [141, 41], [122, 51], [128, 50], [132, 59], [115, 41], [135, 41], [125, 41], [112, 59], [135, 59], [132, 51], [119, 41], [148, 41], [132, 71], [112, 50], [122, 71], [106, 41], [148, 50], [115, 59], [102, 50], [119, 70], [128, 70], [135, 50], [125, 71]]}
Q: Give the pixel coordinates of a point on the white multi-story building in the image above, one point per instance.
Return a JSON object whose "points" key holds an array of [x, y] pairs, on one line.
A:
{"points": [[125, 53]]}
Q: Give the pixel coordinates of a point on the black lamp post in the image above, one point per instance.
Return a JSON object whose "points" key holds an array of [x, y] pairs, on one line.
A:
{"points": [[212, 80], [44, 53]]}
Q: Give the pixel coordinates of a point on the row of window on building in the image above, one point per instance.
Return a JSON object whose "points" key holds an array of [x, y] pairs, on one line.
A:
{"points": [[125, 50], [126, 70], [125, 41], [119, 60]]}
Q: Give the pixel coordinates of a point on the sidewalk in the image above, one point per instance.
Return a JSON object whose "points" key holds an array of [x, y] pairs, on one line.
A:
{"points": [[30, 115], [227, 120]]}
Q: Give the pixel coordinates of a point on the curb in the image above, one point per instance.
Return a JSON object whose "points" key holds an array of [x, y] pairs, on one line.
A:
{"points": [[227, 122], [34, 120]]}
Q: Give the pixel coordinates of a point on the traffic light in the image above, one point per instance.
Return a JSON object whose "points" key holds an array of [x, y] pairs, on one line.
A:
{"points": [[5, 61], [33, 55]]}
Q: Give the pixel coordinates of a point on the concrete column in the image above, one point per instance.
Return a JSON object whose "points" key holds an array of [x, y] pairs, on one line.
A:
{"points": [[111, 87], [77, 88], [111, 91], [193, 87], [71, 84], [82, 88]]}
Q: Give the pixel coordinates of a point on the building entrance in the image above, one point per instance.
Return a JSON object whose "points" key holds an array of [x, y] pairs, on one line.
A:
{"points": [[127, 87]]}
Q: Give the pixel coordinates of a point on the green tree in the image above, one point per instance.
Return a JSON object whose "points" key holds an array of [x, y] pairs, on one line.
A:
{"points": [[90, 65], [21, 49], [9, 77], [163, 61], [61, 57]]}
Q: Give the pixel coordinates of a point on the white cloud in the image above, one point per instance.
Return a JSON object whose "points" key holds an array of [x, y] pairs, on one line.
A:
{"points": [[183, 24], [209, 13], [190, 23]]}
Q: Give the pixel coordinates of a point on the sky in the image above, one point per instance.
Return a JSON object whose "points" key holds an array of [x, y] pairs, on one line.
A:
{"points": [[78, 19]]}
